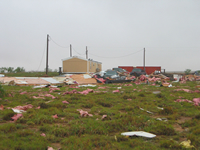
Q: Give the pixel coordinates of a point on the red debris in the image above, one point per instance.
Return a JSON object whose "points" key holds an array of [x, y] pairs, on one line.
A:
{"points": [[49, 95], [53, 89], [65, 102], [116, 91], [84, 113], [101, 79], [17, 116], [1, 107], [23, 93], [55, 116], [183, 100], [104, 116], [102, 87], [50, 148], [185, 90], [25, 107], [38, 97], [196, 101], [85, 92], [43, 134], [70, 92]]}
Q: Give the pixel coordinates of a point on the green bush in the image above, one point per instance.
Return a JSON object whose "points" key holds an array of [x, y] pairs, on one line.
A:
{"points": [[2, 92]]}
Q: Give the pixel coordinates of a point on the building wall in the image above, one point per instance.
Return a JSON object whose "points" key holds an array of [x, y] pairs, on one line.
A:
{"points": [[93, 66], [148, 69], [75, 65]]}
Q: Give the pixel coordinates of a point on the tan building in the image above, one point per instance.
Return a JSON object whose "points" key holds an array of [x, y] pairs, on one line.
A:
{"points": [[77, 64]]}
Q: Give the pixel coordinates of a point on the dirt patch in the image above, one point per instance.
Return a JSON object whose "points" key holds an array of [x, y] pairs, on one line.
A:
{"points": [[183, 119], [178, 128]]}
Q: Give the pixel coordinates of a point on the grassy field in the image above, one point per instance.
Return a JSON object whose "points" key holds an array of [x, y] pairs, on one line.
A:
{"points": [[172, 122]]}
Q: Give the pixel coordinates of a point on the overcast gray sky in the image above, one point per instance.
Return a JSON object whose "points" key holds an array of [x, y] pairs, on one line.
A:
{"points": [[169, 30]]}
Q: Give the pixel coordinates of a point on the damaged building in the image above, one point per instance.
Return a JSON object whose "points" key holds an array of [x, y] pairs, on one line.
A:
{"points": [[77, 64]]}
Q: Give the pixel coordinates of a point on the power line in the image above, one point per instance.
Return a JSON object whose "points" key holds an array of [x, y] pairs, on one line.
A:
{"points": [[78, 52], [117, 56], [41, 59], [57, 43]]}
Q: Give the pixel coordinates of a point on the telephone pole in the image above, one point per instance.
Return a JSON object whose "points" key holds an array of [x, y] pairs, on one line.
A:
{"points": [[70, 50], [86, 53], [144, 59], [47, 54]]}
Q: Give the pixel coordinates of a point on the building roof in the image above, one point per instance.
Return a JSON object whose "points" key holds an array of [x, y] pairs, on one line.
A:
{"points": [[81, 59]]}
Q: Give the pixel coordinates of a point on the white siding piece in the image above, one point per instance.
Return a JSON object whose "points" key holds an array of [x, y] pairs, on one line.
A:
{"points": [[139, 133], [87, 76]]}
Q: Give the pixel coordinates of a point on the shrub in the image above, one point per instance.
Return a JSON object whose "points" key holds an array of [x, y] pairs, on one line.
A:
{"points": [[187, 71], [2, 92]]}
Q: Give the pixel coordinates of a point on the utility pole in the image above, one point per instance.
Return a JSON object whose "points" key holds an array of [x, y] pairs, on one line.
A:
{"points": [[47, 54], [144, 59], [70, 50], [86, 53]]}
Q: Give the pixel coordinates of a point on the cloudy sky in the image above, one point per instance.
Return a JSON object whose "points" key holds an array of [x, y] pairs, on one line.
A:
{"points": [[115, 32]]}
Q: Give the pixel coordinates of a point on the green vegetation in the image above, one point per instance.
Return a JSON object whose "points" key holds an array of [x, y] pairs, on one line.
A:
{"points": [[11, 69], [187, 71], [129, 110]]}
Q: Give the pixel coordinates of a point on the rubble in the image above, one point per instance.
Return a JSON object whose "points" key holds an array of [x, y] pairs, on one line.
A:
{"points": [[90, 80]]}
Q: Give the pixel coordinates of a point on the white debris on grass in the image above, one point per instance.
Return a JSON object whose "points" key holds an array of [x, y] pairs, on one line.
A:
{"points": [[139, 133]]}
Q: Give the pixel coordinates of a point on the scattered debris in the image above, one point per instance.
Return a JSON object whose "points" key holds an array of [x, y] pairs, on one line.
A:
{"points": [[146, 111], [196, 101], [139, 133], [50, 148], [84, 113], [65, 102], [43, 134], [23, 93], [156, 92], [89, 85], [85, 92], [16, 117], [186, 144], [21, 109], [160, 108], [104, 116], [116, 91], [55, 116], [1, 107], [161, 119]]}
